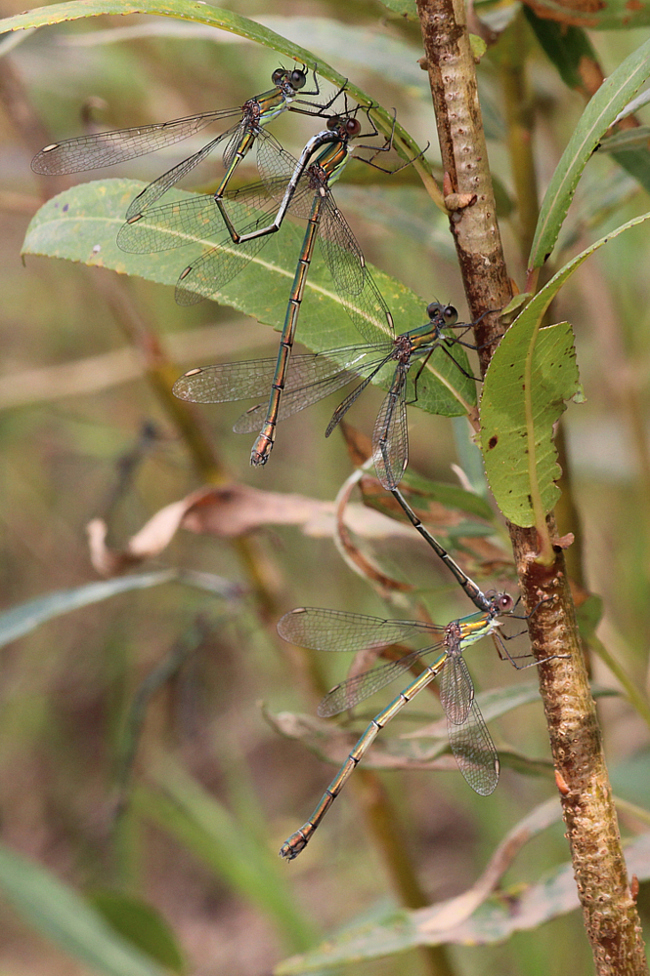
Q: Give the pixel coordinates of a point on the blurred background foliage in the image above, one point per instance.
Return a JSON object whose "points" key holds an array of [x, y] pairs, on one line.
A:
{"points": [[187, 819]]}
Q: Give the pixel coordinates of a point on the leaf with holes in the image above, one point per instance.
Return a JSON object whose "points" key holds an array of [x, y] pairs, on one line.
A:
{"points": [[533, 373]]}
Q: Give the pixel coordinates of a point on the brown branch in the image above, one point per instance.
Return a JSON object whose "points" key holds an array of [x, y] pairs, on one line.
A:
{"points": [[610, 915]]}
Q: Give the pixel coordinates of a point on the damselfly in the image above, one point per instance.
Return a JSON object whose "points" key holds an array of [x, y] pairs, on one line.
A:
{"points": [[311, 377], [471, 743], [108, 148]]}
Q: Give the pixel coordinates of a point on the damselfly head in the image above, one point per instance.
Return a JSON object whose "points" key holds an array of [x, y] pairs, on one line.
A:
{"points": [[296, 78], [349, 127], [448, 313]]}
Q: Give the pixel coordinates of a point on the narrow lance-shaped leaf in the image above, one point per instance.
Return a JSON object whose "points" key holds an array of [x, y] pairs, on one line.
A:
{"points": [[574, 57], [600, 113], [25, 617], [531, 374], [140, 924]]}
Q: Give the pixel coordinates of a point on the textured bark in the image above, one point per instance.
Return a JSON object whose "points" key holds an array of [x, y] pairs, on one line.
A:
{"points": [[610, 915], [468, 186]]}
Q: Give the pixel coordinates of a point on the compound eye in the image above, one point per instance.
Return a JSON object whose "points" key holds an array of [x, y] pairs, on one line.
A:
{"points": [[298, 79], [333, 122], [353, 127], [506, 603], [433, 309], [278, 75], [450, 314]]}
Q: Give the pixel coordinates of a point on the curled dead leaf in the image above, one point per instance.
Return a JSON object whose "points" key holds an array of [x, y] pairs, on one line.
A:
{"points": [[225, 512]]}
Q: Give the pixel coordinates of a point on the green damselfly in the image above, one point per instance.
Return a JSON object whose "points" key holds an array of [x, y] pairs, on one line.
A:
{"points": [[470, 740]]}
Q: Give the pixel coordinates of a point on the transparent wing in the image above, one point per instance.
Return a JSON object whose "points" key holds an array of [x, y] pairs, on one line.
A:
{"points": [[221, 263], [356, 689], [342, 252], [318, 378], [345, 405], [335, 630], [311, 377], [366, 307], [475, 752], [225, 382], [295, 400], [456, 689], [107, 148], [198, 220], [390, 444], [276, 167], [189, 221], [216, 267], [158, 187]]}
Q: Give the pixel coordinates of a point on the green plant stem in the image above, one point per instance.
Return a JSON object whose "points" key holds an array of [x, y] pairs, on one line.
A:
{"points": [[610, 914], [635, 697]]}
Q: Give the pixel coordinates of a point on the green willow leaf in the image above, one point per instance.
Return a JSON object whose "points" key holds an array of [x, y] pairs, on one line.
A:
{"points": [[404, 8], [421, 491], [573, 55], [211, 16], [612, 96], [60, 914], [82, 223], [25, 617], [566, 47], [626, 140], [532, 372]]}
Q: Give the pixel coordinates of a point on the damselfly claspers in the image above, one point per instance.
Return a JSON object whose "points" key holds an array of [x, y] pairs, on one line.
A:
{"points": [[101, 149], [470, 740]]}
